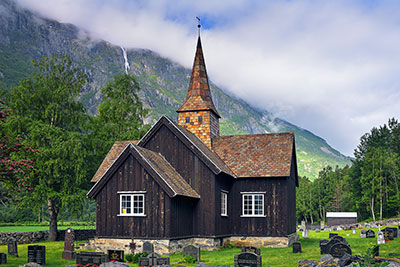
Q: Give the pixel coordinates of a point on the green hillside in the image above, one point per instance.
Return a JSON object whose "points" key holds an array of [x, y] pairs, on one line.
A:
{"points": [[25, 36]]}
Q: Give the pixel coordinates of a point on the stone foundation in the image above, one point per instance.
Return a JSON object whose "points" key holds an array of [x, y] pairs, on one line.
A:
{"points": [[165, 246]]}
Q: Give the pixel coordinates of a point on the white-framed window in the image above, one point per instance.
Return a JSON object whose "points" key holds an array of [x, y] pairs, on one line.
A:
{"points": [[131, 204], [224, 203], [252, 205]]}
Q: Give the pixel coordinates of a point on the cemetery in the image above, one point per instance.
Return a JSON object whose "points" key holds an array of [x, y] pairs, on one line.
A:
{"points": [[329, 246]]}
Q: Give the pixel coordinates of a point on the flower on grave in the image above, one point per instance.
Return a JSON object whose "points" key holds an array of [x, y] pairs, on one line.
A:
{"points": [[94, 265], [79, 265], [87, 265]]}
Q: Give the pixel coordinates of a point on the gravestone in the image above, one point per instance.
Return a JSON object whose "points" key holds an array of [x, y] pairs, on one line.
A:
{"points": [[325, 246], [375, 251], [3, 258], [388, 233], [115, 255], [322, 225], [69, 240], [395, 232], [339, 238], [297, 247], [380, 239], [247, 259], [153, 259], [86, 257], [148, 247], [353, 231], [363, 233], [306, 234], [332, 235], [255, 250], [12, 245], [37, 254], [339, 249], [143, 261], [303, 225], [370, 234], [192, 251]]}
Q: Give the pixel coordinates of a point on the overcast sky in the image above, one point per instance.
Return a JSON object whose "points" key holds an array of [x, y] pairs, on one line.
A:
{"points": [[332, 67]]}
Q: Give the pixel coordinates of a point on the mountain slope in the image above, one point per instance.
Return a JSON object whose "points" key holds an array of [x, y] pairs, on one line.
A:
{"points": [[26, 36]]}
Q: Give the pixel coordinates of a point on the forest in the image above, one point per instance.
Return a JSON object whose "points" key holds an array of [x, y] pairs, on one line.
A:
{"points": [[370, 186]]}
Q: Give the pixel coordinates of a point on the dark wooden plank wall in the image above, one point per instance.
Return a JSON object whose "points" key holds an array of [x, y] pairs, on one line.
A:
{"points": [[131, 176], [223, 223], [275, 199], [182, 216], [291, 194], [338, 221], [194, 171]]}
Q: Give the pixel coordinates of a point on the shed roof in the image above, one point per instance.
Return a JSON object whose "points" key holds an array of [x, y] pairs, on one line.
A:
{"points": [[341, 214], [259, 155]]}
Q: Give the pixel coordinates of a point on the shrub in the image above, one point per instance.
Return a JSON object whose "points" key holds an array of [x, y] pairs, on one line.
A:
{"points": [[189, 259], [134, 258]]}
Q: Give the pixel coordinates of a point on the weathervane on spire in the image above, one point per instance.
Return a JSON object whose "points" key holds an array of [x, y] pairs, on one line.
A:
{"points": [[198, 25]]}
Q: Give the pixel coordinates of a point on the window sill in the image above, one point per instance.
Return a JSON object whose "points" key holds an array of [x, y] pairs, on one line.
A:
{"points": [[223, 215], [131, 215], [253, 216]]}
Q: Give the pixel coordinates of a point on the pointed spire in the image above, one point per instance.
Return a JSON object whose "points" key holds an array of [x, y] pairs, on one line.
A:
{"points": [[199, 95]]}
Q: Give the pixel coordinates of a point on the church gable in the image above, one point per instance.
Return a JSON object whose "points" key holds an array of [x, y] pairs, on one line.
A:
{"points": [[161, 171]]}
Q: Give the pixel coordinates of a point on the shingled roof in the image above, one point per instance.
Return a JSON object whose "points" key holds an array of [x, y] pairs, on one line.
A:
{"points": [[259, 155], [111, 156], [159, 168], [210, 158], [199, 95], [165, 170]]}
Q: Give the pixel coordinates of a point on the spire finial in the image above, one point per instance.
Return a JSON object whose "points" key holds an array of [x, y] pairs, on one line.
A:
{"points": [[198, 25]]}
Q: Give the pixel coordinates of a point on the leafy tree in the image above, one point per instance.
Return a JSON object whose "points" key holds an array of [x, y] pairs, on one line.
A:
{"points": [[120, 115], [53, 120]]}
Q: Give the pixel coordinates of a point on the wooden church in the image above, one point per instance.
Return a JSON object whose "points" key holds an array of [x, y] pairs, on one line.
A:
{"points": [[183, 183]]}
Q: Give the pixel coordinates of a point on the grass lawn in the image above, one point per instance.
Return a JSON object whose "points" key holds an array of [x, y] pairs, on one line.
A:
{"points": [[7, 229], [270, 256]]}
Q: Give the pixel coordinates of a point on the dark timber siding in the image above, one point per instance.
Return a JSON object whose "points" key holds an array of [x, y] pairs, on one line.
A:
{"points": [[338, 221], [131, 176], [275, 201], [223, 223], [194, 171], [291, 207]]}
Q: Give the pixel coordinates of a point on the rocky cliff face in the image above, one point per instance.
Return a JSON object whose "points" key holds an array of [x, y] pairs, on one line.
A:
{"points": [[25, 36]]}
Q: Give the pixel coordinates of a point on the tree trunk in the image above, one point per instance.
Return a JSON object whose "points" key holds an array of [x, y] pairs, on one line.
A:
{"points": [[372, 208], [53, 213]]}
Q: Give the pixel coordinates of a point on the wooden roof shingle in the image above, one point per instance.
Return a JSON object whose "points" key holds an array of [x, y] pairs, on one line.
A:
{"points": [[258, 155]]}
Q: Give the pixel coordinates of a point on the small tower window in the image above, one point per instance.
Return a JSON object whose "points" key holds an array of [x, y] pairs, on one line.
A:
{"points": [[200, 119], [187, 119]]}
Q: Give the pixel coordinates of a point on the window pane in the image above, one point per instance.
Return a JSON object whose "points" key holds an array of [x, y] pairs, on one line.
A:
{"points": [[224, 203], [247, 204], [258, 205]]}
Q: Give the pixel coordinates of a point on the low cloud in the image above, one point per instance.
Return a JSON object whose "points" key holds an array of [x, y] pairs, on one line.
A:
{"points": [[329, 67]]}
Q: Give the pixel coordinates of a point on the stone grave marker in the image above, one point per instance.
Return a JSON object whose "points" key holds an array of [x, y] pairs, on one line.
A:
{"points": [[115, 255], [322, 225], [247, 259], [148, 247], [143, 261], [69, 240], [37, 253], [87, 257], [322, 246], [303, 225], [363, 233], [339, 249], [325, 247], [162, 261], [297, 247], [192, 251], [395, 232], [380, 239], [3, 258], [332, 235], [12, 245], [339, 238], [306, 234], [370, 234], [388, 233], [375, 251], [353, 231], [255, 250]]}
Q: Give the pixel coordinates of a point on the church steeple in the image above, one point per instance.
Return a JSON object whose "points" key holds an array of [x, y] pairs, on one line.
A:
{"points": [[198, 113]]}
